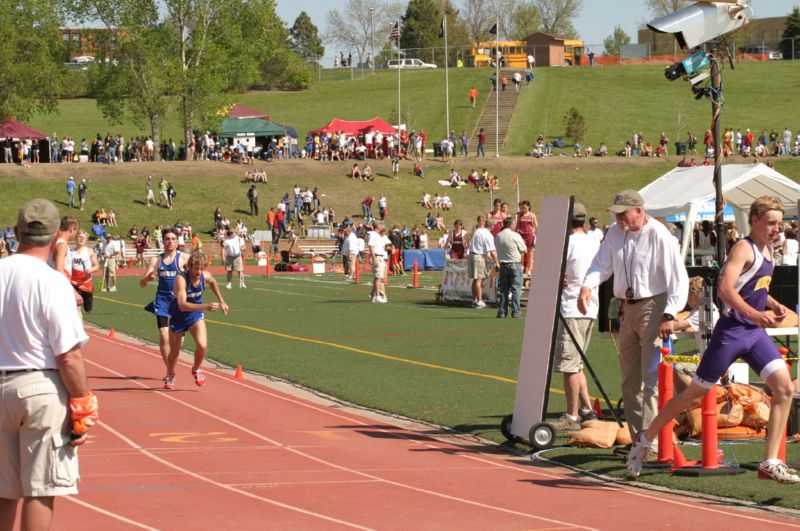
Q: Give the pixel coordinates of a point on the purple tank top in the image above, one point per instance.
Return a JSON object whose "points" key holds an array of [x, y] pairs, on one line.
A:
{"points": [[753, 284]]}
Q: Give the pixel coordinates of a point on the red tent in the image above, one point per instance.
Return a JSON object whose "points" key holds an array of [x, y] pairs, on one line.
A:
{"points": [[11, 128], [354, 128], [240, 111]]}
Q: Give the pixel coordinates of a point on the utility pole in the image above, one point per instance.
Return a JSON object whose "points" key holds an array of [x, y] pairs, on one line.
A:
{"points": [[372, 38]]}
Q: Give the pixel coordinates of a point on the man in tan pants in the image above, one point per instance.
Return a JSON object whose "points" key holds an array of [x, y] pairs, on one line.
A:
{"points": [[651, 281]]}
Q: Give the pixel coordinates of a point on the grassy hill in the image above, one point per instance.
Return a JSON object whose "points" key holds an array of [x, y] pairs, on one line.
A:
{"points": [[615, 101]]}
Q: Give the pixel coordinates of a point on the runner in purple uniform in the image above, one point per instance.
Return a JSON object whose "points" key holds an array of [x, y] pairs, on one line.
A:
{"points": [[743, 287]]}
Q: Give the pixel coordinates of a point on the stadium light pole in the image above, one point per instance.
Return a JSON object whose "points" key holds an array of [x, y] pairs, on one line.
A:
{"points": [[497, 80]]}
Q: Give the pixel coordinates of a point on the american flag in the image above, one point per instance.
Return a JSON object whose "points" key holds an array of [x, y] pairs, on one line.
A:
{"points": [[394, 35]]}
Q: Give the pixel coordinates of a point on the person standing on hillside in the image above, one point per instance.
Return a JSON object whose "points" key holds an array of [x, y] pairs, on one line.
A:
{"points": [[45, 391], [481, 143], [473, 96], [148, 189], [163, 198], [252, 197], [464, 143], [82, 189], [70, 189]]}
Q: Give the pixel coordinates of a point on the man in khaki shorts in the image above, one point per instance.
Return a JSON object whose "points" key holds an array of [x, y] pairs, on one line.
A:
{"points": [[481, 247], [45, 393], [232, 257], [581, 250], [376, 247]]}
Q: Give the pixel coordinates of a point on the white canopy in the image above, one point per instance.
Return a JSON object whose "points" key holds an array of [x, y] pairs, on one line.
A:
{"points": [[686, 190]]}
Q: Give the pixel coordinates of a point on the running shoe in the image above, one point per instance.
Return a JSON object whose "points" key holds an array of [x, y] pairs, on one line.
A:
{"points": [[228, 285], [587, 414], [637, 455], [242, 286], [169, 381], [480, 304], [566, 423], [199, 377], [381, 300], [778, 472]]}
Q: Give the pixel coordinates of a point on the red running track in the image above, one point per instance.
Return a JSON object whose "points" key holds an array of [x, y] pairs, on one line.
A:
{"points": [[244, 455]]}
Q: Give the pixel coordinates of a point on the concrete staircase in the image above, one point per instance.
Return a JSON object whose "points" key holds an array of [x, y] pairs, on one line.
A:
{"points": [[488, 120]]}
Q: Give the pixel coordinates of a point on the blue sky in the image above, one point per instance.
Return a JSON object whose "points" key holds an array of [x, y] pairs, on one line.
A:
{"points": [[596, 21]]}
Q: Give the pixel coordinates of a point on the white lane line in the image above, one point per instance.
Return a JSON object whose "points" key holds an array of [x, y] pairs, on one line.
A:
{"points": [[108, 513], [334, 465]]}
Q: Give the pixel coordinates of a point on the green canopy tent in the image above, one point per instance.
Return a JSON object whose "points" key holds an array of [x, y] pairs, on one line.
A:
{"points": [[249, 127]]}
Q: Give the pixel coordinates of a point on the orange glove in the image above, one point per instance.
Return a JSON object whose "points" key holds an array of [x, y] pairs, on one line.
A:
{"points": [[84, 412]]}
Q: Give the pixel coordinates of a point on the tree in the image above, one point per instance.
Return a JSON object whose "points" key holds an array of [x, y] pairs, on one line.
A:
{"points": [[420, 28], [613, 42], [659, 8], [526, 21], [305, 39], [31, 56], [790, 44], [574, 125], [351, 28], [478, 18], [557, 16]]}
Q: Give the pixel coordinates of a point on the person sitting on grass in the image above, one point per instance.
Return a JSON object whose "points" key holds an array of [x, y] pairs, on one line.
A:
{"points": [[418, 170], [440, 222], [743, 287], [367, 174], [455, 179], [355, 173]]}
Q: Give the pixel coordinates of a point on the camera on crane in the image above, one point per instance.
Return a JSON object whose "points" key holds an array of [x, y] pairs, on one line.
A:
{"points": [[703, 21]]}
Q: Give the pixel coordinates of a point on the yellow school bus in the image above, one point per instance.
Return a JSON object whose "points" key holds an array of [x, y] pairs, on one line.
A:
{"points": [[573, 52], [513, 54]]}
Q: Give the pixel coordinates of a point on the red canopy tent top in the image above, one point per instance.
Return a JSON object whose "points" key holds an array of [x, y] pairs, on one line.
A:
{"points": [[240, 111], [354, 128], [13, 129]]}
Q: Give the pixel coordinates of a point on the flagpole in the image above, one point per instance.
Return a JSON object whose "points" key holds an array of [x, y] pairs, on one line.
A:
{"points": [[399, 65], [446, 78], [497, 83]]}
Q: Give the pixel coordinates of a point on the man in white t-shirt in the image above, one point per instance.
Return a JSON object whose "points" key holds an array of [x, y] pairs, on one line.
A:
{"points": [[581, 250], [350, 253], [594, 230], [232, 258], [376, 249], [112, 253], [481, 248], [42, 373]]}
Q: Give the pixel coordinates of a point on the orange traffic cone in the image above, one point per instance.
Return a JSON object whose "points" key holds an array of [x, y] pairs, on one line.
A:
{"points": [[238, 375], [112, 334], [679, 460], [416, 274], [597, 409], [358, 272]]}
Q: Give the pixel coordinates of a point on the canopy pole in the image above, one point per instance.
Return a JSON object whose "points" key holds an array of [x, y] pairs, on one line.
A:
{"points": [[716, 111]]}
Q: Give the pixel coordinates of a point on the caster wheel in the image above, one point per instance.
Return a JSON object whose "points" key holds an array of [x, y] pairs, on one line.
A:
{"points": [[542, 436], [505, 428]]}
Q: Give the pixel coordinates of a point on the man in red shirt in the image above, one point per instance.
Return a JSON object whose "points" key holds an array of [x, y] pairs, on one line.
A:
{"points": [[481, 143]]}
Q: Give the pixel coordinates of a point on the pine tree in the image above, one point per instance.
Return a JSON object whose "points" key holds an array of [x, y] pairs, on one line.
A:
{"points": [[574, 125], [790, 44], [305, 39], [420, 29], [613, 42]]}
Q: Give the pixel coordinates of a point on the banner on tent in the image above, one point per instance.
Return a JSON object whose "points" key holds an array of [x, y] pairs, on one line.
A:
{"points": [[706, 213], [457, 286]]}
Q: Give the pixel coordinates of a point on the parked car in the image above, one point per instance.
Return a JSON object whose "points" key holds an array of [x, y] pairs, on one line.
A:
{"points": [[408, 63], [761, 49]]}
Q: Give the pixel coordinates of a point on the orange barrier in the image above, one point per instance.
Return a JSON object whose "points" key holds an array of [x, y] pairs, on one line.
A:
{"points": [[416, 274], [267, 271], [709, 438], [597, 409], [665, 392], [238, 375], [112, 334], [358, 272]]}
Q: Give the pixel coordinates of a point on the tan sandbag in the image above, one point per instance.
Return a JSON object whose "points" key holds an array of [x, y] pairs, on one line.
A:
{"points": [[592, 438], [746, 395], [624, 435], [740, 432], [756, 415], [602, 424], [728, 415]]}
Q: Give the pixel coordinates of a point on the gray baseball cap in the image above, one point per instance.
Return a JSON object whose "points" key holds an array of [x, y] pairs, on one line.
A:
{"points": [[578, 211], [626, 199], [38, 217]]}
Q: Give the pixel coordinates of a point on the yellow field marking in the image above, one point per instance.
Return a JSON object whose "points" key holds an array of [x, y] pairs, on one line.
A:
{"points": [[355, 350], [190, 437]]}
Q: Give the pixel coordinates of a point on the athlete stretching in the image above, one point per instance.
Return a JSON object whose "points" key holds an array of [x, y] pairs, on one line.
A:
{"points": [[166, 268], [186, 314], [743, 287]]}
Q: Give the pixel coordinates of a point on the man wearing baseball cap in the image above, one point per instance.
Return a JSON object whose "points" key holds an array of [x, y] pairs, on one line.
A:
{"points": [[581, 250], [47, 404], [651, 281]]}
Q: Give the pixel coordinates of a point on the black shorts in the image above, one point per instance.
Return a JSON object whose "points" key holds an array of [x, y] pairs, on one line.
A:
{"points": [[163, 321], [88, 299]]}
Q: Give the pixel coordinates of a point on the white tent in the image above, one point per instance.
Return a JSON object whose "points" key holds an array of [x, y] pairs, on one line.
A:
{"points": [[686, 190]]}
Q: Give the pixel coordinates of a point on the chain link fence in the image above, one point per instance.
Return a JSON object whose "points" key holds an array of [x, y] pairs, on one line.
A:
{"points": [[662, 50]]}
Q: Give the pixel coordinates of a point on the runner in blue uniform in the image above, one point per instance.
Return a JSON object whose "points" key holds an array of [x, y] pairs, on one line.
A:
{"points": [[740, 333], [186, 314], [165, 268]]}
